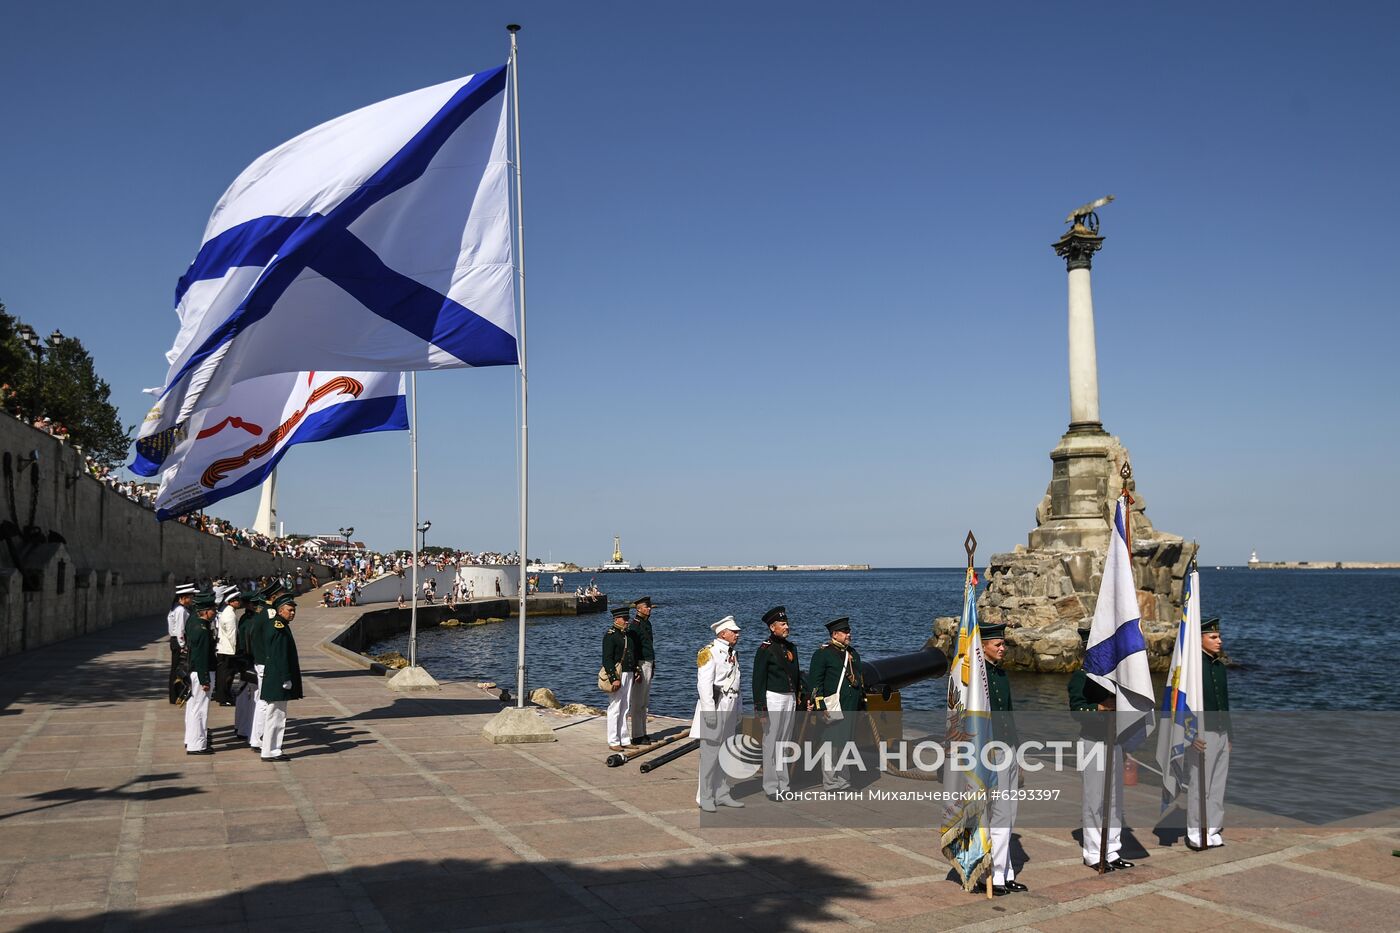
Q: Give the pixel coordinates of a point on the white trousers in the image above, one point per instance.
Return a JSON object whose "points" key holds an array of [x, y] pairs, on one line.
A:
{"points": [[274, 728], [255, 737], [1001, 818], [243, 710], [712, 784], [620, 712], [641, 698], [777, 727], [1217, 769], [1092, 811], [197, 716]]}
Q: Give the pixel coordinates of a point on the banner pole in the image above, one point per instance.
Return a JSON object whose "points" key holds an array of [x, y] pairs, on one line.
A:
{"points": [[524, 377], [1111, 740], [413, 536]]}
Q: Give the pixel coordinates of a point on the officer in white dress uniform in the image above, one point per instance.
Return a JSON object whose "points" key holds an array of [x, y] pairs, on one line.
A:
{"points": [[175, 627], [717, 712], [226, 641]]}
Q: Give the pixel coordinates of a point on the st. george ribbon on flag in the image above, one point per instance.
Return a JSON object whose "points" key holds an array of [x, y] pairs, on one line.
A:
{"points": [[233, 446], [1182, 696], [379, 241], [962, 834], [1116, 656]]}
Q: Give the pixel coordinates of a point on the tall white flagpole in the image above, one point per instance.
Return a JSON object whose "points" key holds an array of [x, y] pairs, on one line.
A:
{"points": [[413, 535], [524, 378]]}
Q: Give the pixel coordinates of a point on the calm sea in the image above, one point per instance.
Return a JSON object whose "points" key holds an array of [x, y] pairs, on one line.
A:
{"points": [[1303, 639]]}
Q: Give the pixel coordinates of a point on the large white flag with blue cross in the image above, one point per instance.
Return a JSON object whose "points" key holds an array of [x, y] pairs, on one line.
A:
{"points": [[379, 241], [1115, 657]]}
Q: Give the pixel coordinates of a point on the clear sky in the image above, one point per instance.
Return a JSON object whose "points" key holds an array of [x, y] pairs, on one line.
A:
{"points": [[792, 297]]}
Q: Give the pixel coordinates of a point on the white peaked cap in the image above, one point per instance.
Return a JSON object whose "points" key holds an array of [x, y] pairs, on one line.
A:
{"points": [[727, 624]]}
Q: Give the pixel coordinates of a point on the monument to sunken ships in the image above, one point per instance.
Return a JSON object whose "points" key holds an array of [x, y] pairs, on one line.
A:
{"points": [[1045, 591]]}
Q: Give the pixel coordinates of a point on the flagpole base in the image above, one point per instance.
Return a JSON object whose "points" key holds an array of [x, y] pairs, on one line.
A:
{"points": [[515, 725], [412, 680]]}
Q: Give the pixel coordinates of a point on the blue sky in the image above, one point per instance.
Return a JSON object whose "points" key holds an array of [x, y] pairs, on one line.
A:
{"points": [[791, 292]]}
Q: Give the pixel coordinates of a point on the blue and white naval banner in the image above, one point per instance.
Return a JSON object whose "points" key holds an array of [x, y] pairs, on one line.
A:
{"points": [[378, 241], [1116, 656], [233, 446], [1182, 696]]}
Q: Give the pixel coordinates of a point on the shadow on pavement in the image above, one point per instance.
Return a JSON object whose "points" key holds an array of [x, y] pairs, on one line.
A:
{"points": [[67, 795], [745, 893], [412, 707]]}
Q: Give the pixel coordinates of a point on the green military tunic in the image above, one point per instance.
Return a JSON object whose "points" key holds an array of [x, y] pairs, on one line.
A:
{"points": [[619, 652], [1085, 696], [282, 665], [999, 701], [825, 673], [1215, 694], [775, 669], [199, 642], [642, 628]]}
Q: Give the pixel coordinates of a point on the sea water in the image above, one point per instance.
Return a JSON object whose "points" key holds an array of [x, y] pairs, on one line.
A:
{"points": [[1299, 639]]}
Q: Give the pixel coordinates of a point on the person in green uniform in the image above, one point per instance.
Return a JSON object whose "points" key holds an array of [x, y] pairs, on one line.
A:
{"points": [[1088, 703], [258, 628], [281, 680], [835, 674], [1213, 742], [199, 643], [779, 691], [620, 662], [646, 667], [246, 703], [1002, 811]]}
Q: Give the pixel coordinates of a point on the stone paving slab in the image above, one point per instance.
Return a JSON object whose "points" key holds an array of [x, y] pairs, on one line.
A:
{"points": [[395, 814]]}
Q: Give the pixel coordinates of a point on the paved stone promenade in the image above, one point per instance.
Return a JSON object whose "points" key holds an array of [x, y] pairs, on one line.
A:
{"points": [[395, 815]]}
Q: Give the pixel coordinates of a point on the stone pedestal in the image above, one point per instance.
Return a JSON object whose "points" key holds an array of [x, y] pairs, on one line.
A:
{"points": [[517, 726], [412, 680]]}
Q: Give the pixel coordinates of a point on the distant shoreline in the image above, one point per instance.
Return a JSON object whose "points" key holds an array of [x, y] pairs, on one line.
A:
{"points": [[1321, 565]]}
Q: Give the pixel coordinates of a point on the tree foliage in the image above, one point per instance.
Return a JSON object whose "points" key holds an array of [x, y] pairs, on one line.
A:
{"points": [[71, 392]]}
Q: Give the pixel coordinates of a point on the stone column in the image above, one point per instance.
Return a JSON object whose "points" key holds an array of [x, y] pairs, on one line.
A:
{"points": [[1077, 247]]}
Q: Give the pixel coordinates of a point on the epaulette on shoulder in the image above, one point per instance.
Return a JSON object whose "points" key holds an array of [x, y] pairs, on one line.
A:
{"points": [[279, 624], [766, 644], [703, 657]]}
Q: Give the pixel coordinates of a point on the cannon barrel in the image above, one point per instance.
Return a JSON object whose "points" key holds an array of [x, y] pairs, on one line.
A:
{"points": [[885, 675]]}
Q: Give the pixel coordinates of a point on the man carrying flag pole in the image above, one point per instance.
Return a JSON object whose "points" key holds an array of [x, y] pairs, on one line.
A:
{"points": [[1115, 657], [1181, 697], [963, 833]]}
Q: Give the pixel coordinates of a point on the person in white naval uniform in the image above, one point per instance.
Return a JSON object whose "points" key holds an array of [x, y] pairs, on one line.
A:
{"points": [[717, 712], [175, 627], [226, 641]]}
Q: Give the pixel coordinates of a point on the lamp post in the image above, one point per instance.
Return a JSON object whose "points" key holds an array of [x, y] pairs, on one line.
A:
{"points": [[423, 532], [31, 340], [347, 532]]}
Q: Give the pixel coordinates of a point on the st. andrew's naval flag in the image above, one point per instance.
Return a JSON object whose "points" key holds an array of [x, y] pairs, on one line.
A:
{"points": [[1115, 657], [380, 241], [233, 446]]}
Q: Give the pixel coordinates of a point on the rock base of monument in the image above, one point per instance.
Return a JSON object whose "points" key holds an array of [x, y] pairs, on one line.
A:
{"points": [[1046, 592]]}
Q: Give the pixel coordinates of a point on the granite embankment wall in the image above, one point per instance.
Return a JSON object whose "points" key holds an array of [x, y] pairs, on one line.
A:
{"points": [[114, 560]]}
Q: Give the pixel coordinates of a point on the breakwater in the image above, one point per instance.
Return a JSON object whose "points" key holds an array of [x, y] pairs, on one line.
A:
{"points": [[736, 568], [1321, 565]]}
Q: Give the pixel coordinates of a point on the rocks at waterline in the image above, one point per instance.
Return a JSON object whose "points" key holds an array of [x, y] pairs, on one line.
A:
{"points": [[392, 660], [543, 696]]}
